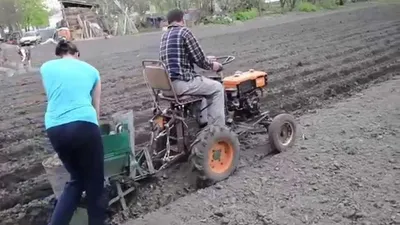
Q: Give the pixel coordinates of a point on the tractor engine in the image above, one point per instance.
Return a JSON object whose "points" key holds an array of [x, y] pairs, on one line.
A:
{"points": [[243, 92]]}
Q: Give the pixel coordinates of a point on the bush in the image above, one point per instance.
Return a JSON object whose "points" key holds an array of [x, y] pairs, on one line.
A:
{"points": [[246, 15], [328, 4], [217, 20], [306, 7]]}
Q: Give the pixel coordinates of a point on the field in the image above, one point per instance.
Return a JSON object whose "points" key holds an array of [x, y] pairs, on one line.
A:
{"points": [[340, 173], [312, 61]]}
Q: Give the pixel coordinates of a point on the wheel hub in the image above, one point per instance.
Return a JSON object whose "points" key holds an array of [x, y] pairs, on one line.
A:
{"points": [[286, 134], [220, 157], [217, 155]]}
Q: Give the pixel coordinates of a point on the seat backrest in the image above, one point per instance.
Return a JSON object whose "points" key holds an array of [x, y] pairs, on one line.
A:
{"points": [[157, 77]]}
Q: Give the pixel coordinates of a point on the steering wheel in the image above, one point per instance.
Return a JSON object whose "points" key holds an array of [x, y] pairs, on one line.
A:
{"points": [[224, 60]]}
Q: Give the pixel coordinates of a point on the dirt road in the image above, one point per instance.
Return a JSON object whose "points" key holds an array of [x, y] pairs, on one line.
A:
{"points": [[311, 61], [345, 171]]}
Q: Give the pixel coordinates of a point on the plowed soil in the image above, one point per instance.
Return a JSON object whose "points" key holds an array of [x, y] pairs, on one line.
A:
{"points": [[312, 60], [345, 170]]}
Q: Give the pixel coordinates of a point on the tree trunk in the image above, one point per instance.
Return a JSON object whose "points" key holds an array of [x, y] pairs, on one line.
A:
{"points": [[2, 33], [10, 28], [282, 3], [292, 4]]}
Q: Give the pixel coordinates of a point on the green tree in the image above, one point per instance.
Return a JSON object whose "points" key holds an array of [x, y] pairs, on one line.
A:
{"points": [[34, 13], [9, 14]]}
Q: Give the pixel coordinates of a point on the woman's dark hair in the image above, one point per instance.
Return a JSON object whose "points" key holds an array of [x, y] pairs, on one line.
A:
{"points": [[65, 47], [175, 15]]}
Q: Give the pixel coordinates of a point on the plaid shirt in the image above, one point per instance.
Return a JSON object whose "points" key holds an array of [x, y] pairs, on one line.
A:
{"points": [[179, 51]]}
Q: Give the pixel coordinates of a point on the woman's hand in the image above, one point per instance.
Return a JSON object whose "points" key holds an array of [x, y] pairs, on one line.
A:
{"points": [[96, 93]]}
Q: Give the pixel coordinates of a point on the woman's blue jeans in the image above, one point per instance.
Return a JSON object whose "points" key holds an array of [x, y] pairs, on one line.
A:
{"points": [[79, 147]]}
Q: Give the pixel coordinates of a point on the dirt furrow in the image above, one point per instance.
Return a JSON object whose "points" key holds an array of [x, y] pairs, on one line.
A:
{"points": [[304, 56], [331, 88], [130, 89], [136, 107], [344, 66], [314, 99], [340, 53], [343, 172], [310, 67], [310, 44]]}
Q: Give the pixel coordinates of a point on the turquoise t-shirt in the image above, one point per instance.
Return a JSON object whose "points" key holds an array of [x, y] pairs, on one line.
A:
{"points": [[68, 84]]}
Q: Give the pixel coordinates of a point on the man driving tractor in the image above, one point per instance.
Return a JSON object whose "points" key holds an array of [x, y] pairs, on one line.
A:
{"points": [[179, 51]]}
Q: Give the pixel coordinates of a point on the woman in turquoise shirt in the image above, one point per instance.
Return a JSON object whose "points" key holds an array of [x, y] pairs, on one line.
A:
{"points": [[73, 90]]}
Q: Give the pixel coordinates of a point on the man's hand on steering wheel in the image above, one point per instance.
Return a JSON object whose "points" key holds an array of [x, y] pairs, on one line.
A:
{"points": [[216, 65]]}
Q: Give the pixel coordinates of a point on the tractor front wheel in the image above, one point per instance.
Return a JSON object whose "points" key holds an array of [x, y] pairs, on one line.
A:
{"points": [[214, 154], [282, 132]]}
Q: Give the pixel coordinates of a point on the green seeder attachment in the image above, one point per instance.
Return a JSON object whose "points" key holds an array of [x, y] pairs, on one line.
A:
{"points": [[122, 165]]}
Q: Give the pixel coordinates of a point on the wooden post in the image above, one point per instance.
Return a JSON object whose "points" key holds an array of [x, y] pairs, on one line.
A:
{"points": [[118, 4], [64, 16]]}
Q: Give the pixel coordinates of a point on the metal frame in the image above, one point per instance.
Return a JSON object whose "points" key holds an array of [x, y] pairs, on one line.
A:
{"points": [[158, 80], [173, 118], [135, 171], [159, 83]]}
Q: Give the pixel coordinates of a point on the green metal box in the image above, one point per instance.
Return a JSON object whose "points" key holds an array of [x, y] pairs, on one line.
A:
{"points": [[117, 150]]}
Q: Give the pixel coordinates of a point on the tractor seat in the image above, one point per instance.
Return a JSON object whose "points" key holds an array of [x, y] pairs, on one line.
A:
{"points": [[183, 99], [158, 79]]}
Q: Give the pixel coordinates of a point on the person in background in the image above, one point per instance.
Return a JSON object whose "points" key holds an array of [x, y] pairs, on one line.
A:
{"points": [[73, 90], [25, 53]]}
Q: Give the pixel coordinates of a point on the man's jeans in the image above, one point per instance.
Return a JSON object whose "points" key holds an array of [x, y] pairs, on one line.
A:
{"points": [[214, 97], [80, 148]]}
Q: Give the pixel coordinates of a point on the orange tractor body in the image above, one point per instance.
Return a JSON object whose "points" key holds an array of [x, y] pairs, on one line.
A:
{"points": [[259, 78]]}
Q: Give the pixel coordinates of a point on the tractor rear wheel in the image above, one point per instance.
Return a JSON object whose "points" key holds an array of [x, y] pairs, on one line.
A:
{"points": [[214, 154], [282, 132]]}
